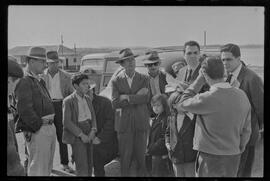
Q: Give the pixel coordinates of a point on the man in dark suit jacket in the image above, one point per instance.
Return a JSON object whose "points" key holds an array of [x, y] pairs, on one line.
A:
{"points": [[105, 144], [252, 85], [130, 94]]}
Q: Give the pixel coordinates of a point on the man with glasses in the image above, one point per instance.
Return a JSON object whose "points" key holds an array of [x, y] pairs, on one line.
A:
{"points": [[252, 85], [36, 113]]}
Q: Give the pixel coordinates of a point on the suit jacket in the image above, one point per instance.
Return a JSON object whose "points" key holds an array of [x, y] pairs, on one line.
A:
{"points": [[183, 75], [183, 151], [65, 82], [33, 103], [134, 114], [162, 83], [105, 123], [252, 85], [71, 129], [156, 142]]}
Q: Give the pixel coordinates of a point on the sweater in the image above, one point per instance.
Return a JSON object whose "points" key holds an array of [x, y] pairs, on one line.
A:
{"points": [[223, 125]]}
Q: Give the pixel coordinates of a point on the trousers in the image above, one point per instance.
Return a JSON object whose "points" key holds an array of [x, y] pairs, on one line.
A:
{"points": [[63, 150], [132, 147], [184, 169], [41, 150]]}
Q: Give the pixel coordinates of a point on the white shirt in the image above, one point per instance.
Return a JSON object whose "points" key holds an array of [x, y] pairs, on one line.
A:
{"points": [[154, 84], [83, 109], [129, 79], [54, 88], [180, 120]]}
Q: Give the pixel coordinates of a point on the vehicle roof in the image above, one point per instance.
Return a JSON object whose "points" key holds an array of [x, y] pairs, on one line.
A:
{"points": [[94, 55]]}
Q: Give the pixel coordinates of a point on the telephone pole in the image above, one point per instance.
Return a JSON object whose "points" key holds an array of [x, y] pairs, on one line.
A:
{"points": [[62, 42]]}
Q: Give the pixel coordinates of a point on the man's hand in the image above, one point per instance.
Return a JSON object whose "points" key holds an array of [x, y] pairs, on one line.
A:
{"points": [[84, 138], [123, 97], [142, 91], [92, 135], [27, 135], [96, 141]]}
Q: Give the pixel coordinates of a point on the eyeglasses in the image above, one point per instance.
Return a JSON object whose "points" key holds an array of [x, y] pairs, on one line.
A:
{"points": [[152, 64], [226, 59]]}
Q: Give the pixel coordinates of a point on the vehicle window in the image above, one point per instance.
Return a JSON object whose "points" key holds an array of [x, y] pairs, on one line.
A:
{"points": [[96, 64], [111, 67]]}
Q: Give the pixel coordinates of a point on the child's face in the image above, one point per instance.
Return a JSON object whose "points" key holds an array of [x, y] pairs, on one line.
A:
{"points": [[157, 107]]}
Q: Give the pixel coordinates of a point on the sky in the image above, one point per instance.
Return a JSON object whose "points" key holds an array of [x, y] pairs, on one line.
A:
{"points": [[130, 26]]}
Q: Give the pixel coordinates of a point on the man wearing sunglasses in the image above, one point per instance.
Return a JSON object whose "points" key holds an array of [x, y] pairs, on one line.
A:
{"points": [[252, 85]]}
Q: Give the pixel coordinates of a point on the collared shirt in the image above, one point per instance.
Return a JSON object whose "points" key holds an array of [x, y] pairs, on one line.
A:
{"points": [[224, 85], [180, 120], [84, 111], [129, 79], [154, 84], [55, 90], [236, 72]]}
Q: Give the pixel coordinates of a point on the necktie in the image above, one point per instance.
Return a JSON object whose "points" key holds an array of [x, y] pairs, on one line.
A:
{"points": [[229, 78], [189, 75]]}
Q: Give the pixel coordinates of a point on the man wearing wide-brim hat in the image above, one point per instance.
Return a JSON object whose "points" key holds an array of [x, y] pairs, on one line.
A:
{"points": [[36, 114], [58, 83], [14, 167], [130, 95]]}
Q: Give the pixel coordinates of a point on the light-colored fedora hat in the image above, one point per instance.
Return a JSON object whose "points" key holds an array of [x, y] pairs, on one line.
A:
{"points": [[37, 53], [52, 56], [151, 57], [125, 54]]}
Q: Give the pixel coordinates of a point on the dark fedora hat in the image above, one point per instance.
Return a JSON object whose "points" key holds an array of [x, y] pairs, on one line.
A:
{"points": [[14, 69], [52, 56], [151, 57], [37, 53], [125, 54]]}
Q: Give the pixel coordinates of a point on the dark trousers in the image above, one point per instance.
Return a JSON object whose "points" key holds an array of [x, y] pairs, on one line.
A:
{"points": [[246, 162], [132, 147], [63, 150], [102, 156], [160, 167], [209, 165]]}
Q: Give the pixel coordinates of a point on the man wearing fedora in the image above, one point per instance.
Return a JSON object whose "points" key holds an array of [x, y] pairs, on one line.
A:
{"points": [[36, 112], [130, 94], [14, 167], [58, 83]]}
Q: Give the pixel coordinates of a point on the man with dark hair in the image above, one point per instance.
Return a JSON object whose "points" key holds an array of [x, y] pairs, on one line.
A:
{"points": [[130, 94], [105, 144], [14, 167], [252, 85], [36, 113], [79, 123], [223, 123], [58, 83]]}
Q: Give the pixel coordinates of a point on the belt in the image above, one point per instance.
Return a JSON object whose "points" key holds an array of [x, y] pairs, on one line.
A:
{"points": [[57, 100], [45, 122]]}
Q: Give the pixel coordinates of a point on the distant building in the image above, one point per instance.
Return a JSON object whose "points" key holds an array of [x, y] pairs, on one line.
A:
{"points": [[70, 60]]}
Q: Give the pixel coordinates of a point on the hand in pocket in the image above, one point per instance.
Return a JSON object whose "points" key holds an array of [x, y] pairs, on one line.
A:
{"points": [[27, 135]]}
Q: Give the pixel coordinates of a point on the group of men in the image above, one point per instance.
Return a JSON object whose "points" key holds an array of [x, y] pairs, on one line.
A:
{"points": [[46, 102], [229, 112]]}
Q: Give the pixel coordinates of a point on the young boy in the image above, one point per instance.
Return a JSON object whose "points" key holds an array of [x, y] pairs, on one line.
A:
{"points": [[79, 123]]}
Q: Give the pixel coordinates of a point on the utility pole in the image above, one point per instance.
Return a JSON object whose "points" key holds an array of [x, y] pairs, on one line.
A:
{"points": [[204, 40], [75, 56], [62, 42]]}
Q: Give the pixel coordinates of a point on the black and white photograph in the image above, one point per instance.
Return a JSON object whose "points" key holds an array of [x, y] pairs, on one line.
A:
{"points": [[135, 91]]}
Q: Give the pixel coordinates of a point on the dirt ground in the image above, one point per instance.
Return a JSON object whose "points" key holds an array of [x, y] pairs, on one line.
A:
{"points": [[113, 168]]}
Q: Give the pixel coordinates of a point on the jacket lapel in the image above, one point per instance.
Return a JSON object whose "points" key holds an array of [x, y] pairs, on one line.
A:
{"points": [[61, 82], [241, 75], [134, 82], [185, 126], [75, 105]]}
